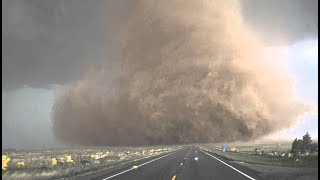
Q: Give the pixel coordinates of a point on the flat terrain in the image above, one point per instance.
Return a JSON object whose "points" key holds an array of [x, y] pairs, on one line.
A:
{"points": [[64, 163], [272, 155], [187, 163], [204, 161]]}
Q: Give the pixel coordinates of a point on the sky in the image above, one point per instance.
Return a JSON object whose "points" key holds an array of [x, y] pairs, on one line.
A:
{"points": [[302, 60], [46, 45]]}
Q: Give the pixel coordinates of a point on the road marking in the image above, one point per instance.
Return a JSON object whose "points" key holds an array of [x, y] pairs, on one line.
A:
{"points": [[229, 166], [174, 177], [135, 167]]}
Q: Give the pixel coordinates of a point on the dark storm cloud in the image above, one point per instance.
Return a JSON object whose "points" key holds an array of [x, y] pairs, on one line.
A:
{"points": [[52, 42], [55, 42]]}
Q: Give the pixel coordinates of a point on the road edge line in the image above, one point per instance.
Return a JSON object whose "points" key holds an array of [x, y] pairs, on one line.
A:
{"points": [[228, 165]]}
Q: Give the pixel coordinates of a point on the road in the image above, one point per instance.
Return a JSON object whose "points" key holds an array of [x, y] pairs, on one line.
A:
{"points": [[188, 163]]}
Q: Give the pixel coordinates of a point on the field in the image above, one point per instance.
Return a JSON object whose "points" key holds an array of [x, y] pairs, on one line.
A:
{"points": [[64, 163], [271, 154], [61, 163]]}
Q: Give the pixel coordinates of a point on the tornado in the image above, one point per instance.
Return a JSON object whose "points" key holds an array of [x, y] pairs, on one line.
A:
{"points": [[182, 72]]}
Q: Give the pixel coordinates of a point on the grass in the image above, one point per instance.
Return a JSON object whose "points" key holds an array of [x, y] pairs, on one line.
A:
{"points": [[38, 164], [250, 157]]}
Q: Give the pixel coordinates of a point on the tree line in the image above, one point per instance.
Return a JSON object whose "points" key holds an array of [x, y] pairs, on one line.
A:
{"points": [[304, 145]]}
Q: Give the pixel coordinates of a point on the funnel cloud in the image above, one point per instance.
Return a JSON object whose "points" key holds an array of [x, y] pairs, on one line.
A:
{"points": [[184, 72]]}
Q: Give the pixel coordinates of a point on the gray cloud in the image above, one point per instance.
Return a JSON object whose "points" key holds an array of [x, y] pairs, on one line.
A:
{"points": [[51, 42], [282, 22], [55, 42]]}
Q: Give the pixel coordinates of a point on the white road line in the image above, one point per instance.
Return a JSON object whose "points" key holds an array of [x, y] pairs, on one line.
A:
{"points": [[229, 166], [139, 165], [118, 174]]}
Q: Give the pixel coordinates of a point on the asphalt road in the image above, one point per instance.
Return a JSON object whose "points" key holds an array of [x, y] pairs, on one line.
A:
{"points": [[188, 163]]}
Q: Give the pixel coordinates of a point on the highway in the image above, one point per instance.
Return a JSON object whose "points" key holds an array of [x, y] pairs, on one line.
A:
{"points": [[188, 163]]}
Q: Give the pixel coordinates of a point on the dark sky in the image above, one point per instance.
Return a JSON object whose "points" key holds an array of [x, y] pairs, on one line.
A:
{"points": [[55, 42]]}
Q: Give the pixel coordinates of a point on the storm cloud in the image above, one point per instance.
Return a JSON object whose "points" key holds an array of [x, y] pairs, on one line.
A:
{"points": [[55, 42], [184, 72]]}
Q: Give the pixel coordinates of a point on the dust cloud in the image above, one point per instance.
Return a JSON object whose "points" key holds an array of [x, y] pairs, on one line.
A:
{"points": [[184, 72]]}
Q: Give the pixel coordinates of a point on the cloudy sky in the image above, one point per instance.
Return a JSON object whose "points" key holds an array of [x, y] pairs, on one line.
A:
{"points": [[47, 45]]}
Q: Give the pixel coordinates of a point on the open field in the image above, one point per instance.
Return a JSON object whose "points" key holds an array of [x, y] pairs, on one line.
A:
{"points": [[270, 154], [61, 163], [276, 162], [66, 163]]}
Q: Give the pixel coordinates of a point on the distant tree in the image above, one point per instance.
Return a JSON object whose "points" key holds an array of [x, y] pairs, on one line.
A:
{"points": [[294, 146], [304, 145], [313, 147], [299, 146], [306, 139]]}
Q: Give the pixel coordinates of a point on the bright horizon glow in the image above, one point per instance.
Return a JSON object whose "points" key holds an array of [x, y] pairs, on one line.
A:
{"points": [[302, 60]]}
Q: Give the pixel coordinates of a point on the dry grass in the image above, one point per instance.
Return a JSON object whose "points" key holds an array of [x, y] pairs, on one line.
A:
{"points": [[70, 162], [273, 155]]}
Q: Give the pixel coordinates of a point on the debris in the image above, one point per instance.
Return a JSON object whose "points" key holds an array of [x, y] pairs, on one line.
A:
{"points": [[196, 158]]}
